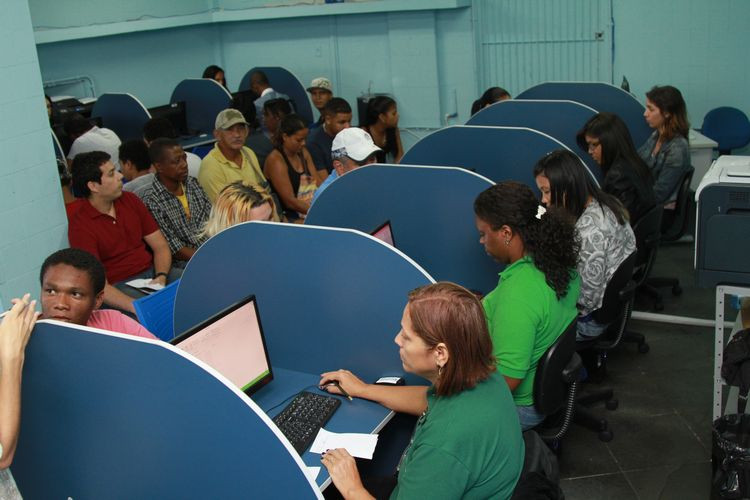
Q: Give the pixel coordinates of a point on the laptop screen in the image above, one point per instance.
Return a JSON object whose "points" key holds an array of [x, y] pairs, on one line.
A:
{"points": [[384, 233], [232, 343]]}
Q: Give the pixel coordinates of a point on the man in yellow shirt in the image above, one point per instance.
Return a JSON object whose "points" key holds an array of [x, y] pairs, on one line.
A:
{"points": [[230, 160]]}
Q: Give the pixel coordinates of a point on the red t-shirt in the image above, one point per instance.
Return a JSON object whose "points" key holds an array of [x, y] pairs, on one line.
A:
{"points": [[72, 207], [116, 242]]}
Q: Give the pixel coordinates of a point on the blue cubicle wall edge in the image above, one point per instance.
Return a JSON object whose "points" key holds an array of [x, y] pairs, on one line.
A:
{"points": [[109, 415]]}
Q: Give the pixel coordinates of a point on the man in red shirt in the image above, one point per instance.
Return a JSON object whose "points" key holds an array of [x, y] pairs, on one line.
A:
{"points": [[115, 227]]}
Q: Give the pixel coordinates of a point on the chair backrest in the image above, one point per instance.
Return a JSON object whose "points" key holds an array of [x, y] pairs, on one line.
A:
{"points": [[682, 206], [728, 126], [647, 237], [614, 300], [550, 388], [156, 311]]}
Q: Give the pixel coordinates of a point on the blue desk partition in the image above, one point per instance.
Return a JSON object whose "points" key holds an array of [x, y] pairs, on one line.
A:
{"points": [[122, 113], [431, 213], [284, 81], [112, 416], [559, 119], [204, 99], [327, 298], [498, 153], [600, 96], [59, 154]]}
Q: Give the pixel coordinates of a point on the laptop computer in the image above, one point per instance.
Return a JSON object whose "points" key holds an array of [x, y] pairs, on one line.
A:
{"points": [[232, 342]]}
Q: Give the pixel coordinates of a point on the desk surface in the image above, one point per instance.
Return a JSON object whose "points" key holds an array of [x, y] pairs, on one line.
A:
{"points": [[359, 415]]}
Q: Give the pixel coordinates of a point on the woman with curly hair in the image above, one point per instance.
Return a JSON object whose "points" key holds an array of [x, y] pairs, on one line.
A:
{"points": [[601, 222], [535, 300]]}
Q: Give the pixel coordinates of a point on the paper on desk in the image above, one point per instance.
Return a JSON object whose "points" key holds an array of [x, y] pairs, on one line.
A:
{"points": [[312, 473], [145, 283], [358, 445]]}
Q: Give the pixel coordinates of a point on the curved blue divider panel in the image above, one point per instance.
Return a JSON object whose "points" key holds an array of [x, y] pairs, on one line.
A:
{"points": [[204, 98], [602, 97], [328, 298], [122, 113], [431, 210], [498, 153], [110, 416], [559, 119], [59, 154], [284, 81]]}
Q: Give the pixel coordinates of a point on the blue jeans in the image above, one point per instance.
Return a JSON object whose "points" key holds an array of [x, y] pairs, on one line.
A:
{"points": [[588, 329], [528, 417]]}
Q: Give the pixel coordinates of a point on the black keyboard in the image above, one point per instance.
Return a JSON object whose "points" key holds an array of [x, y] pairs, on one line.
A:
{"points": [[303, 417]]}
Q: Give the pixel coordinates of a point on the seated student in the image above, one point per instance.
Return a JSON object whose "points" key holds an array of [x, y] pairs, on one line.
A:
{"points": [[230, 160], [156, 128], [666, 152], [261, 86], [626, 176], [73, 284], [274, 110], [381, 122], [15, 330], [116, 227], [337, 115], [256, 139], [214, 72], [236, 203], [351, 148], [86, 137], [176, 200], [290, 169], [467, 442], [535, 300], [490, 96], [135, 166], [321, 91], [602, 225]]}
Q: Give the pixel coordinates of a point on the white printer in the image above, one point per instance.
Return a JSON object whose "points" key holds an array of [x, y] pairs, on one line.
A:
{"points": [[722, 233]]}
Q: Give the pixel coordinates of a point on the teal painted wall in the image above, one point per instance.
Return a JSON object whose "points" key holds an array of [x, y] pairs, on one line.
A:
{"points": [[32, 220]]}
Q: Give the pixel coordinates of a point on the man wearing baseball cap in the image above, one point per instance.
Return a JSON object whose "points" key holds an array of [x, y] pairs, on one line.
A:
{"points": [[230, 160], [321, 91], [352, 148]]}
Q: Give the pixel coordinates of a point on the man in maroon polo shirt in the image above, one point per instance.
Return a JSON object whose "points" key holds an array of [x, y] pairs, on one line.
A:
{"points": [[115, 227]]}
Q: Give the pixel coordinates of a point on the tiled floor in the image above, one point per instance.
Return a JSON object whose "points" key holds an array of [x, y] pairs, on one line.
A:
{"points": [[662, 428]]}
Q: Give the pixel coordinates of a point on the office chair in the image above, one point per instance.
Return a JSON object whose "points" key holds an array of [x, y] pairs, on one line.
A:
{"points": [[617, 305], [674, 225], [727, 126], [156, 311], [555, 386]]}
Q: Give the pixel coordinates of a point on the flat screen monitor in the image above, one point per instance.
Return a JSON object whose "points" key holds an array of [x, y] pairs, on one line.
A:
{"points": [[232, 343], [384, 233], [175, 113]]}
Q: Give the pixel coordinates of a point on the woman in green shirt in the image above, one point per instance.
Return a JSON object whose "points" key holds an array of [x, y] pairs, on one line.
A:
{"points": [[536, 297], [467, 443]]}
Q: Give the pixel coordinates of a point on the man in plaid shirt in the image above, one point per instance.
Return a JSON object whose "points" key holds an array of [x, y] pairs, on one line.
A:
{"points": [[176, 200]]}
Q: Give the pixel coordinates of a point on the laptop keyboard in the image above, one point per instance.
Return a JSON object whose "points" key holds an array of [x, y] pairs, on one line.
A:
{"points": [[303, 417]]}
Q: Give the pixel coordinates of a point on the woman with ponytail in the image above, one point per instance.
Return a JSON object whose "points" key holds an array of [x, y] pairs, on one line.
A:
{"points": [[535, 299]]}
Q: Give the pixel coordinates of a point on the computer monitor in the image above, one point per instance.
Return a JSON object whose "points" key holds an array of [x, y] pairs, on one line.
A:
{"points": [[175, 113], [384, 233], [232, 343]]}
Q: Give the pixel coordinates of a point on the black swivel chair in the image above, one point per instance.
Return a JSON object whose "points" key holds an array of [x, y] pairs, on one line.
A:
{"points": [[674, 225], [617, 305], [555, 386]]}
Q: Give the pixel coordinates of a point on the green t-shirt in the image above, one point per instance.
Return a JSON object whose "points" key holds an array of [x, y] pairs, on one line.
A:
{"points": [[525, 318], [468, 446]]}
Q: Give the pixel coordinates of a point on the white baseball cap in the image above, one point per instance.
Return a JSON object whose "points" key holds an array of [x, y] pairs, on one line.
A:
{"points": [[353, 142]]}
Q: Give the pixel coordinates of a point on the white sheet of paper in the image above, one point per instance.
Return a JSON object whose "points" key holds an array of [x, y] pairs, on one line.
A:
{"points": [[312, 473], [145, 283], [358, 445]]}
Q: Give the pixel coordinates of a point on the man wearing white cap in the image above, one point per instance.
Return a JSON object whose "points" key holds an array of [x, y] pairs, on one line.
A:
{"points": [[352, 148], [321, 91], [230, 160]]}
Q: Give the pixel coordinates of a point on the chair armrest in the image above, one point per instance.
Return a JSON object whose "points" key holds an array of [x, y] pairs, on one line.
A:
{"points": [[572, 371], [628, 291]]}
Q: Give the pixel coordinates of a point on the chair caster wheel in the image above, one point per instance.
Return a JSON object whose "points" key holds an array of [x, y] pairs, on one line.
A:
{"points": [[677, 290], [611, 404], [606, 436], [643, 348]]}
